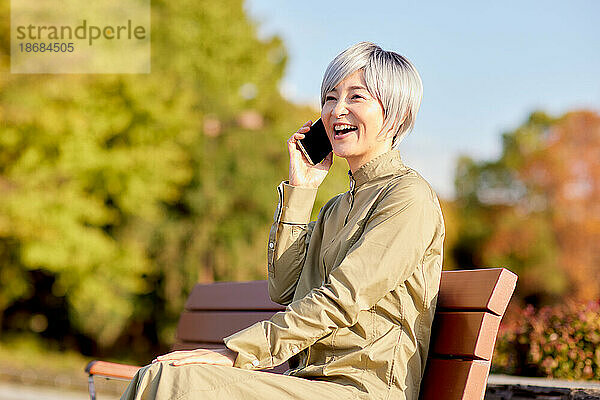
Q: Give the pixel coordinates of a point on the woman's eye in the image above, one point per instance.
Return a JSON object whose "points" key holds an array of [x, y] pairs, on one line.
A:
{"points": [[327, 98], [357, 96]]}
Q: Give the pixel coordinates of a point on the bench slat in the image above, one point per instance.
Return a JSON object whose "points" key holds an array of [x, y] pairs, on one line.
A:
{"points": [[469, 308], [478, 289], [454, 380], [187, 345], [464, 334], [213, 326], [252, 295], [461, 334], [111, 370]]}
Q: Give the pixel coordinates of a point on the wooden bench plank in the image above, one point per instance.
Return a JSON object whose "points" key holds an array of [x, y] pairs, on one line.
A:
{"points": [[252, 295], [470, 306], [213, 326], [188, 345], [459, 334], [111, 370], [454, 380], [464, 334], [479, 289]]}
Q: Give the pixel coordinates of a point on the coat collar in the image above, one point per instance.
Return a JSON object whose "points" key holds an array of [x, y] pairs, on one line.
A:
{"points": [[382, 165]]}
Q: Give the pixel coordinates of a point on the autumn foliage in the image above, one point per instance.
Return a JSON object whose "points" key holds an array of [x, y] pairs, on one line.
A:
{"points": [[565, 174], [535, 210], [561, 341]]}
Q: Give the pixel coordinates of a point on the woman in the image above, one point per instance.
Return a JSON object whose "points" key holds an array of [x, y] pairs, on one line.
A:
{"points": [[360, 283]]}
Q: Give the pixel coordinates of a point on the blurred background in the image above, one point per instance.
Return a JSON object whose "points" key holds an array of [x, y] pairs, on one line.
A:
{"points": [[119, 192]]}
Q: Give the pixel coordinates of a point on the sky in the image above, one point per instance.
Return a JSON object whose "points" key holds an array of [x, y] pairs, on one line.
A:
{"points": [[485, 66]]}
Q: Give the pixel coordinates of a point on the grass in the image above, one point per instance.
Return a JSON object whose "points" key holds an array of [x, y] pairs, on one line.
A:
{"points": [[25, 358]]}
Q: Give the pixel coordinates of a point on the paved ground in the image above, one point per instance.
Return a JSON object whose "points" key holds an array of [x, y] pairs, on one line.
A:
{"points": [[520, 380], [19, 391], [23, 391]]}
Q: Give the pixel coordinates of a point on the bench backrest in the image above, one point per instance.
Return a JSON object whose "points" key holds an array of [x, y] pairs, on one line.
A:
{"points": [[469, 309]]}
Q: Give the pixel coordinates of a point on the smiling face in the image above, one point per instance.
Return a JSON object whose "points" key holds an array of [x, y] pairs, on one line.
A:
{"points": [[353, 120]]}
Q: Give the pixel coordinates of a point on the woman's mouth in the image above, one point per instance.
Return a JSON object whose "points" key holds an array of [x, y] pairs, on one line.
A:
{"points": [[342, 130]]}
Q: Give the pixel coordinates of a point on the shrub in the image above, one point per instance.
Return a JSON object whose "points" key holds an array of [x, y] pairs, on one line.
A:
{"points": [[561, 341]]}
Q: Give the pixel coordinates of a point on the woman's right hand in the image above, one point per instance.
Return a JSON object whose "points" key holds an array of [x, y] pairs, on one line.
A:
{"points": [[302, 173]]}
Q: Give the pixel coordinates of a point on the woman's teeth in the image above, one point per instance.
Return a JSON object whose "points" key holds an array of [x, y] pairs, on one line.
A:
{"points": [[343, 129]]}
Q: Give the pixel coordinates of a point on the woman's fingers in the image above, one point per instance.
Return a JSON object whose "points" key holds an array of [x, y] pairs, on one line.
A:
{"points": [[299, 134], [208, 358], [328, 160], [195, 356], [198, 356], [303, 129], [175, 355], [293, 149], [302, 172]]}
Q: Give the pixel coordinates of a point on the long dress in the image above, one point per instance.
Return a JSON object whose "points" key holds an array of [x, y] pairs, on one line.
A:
{"points": [[360, 285]]}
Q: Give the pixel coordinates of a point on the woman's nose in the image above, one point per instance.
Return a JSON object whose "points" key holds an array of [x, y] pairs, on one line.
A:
{"points": [[340, 109]]}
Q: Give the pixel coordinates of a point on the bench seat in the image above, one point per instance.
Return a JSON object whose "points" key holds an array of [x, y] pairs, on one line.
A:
{"points": [[470, 305]]}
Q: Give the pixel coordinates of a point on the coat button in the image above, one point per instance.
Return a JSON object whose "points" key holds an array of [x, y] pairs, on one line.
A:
{"points": [[271, 245]]}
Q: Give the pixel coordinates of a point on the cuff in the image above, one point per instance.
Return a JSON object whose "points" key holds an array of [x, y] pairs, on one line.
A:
{"points": [[296, 203], [252, 347]]}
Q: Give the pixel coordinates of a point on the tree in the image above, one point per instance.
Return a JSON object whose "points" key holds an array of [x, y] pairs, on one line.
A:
{"points": [[564, 177], [534, 209], [119, 189]]}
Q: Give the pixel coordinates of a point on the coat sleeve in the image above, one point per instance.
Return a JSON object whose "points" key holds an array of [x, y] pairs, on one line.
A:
{"points": [[393, 243], [288, 239]]}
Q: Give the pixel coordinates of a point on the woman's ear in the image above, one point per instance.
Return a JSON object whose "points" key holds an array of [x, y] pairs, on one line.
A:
{"points": [[395, 133], [402, 120]]}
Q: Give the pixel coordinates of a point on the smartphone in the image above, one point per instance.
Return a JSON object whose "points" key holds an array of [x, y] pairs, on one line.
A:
{"points": [[316, 145]]}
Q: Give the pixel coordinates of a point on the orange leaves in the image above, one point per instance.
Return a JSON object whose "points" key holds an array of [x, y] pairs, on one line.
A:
{"points": [[539, 206], [566, 171]]}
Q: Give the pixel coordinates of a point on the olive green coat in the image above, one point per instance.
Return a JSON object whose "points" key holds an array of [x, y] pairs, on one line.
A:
{"points": [[360, 283]]}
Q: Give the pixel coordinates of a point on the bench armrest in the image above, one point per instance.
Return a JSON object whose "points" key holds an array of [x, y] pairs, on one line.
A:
{"points": [[111, 370]]}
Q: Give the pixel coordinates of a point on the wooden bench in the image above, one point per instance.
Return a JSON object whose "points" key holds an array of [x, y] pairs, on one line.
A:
{"points": [[469, 309]]}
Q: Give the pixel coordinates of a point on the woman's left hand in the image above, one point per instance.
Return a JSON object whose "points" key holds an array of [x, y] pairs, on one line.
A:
{"points": [[200, 356]]}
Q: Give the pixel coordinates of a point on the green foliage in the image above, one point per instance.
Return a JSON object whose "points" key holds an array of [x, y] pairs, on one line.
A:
{"points": [[115, 187], [562, 341], [72, 181], [532, 208], [481, 183], [501, 218]]}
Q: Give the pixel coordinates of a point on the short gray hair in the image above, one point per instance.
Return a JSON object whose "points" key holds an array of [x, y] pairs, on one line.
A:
{"points": [[390, 78]]}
